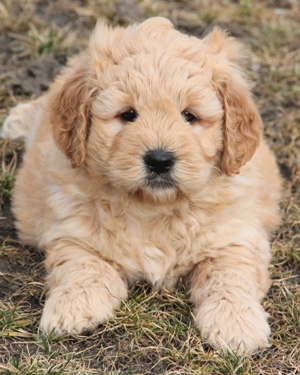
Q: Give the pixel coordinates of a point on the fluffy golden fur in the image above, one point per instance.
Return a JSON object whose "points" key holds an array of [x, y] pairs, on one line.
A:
{"points": [[201, 210]]}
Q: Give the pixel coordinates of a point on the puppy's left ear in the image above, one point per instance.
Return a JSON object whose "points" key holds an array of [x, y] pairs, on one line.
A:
{"points": [[70, 111], [242, 126]]}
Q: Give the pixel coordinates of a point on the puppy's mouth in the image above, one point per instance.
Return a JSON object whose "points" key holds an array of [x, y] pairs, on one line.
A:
{"points": [[160, 182]]}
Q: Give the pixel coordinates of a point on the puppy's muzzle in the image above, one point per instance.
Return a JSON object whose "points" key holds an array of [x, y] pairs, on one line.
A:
{"points": [[159, 161], [159, 164]]}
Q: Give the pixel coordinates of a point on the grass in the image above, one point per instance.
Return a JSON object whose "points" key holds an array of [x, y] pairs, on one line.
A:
{"points": [[50, 40], [6, 184], [8, 169], [153, 333]]}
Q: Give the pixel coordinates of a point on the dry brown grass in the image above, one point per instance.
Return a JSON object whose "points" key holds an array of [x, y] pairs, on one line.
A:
{"points": [[153, 332]]}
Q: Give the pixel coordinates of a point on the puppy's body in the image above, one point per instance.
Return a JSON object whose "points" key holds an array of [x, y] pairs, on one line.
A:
{"points": [[108, 217]]}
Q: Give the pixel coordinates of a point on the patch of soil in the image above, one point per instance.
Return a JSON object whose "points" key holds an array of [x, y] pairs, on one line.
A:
{"points": [[33, 78], [52, 11], [283, 4], [7, 228], [29, 76], [5, 50]]}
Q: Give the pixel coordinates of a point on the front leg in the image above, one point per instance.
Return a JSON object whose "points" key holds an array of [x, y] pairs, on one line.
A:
{"points": [[83, 289], [226, 292]]}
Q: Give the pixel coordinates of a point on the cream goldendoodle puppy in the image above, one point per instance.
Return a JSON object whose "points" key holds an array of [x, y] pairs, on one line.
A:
{"points": [[145, 160]]}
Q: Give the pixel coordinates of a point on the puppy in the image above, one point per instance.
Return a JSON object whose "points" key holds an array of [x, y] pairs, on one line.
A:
{"points": [[145, 161]]}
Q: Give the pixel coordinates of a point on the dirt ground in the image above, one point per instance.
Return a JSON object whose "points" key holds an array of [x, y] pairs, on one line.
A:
{"points": [[36, 38]]}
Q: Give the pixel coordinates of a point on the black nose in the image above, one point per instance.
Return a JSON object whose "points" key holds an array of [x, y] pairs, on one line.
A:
{"points": [[159, 161]]}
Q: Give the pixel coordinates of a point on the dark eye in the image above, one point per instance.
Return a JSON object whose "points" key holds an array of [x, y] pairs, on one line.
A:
{"points": [[189, 117], [129, 116]]}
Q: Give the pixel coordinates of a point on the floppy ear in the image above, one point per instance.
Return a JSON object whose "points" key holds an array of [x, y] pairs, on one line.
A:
{"points": [[70, 113], [242, 126]]}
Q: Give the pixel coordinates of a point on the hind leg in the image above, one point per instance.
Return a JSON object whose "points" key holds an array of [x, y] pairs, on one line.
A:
{"points": [[22, 120]]}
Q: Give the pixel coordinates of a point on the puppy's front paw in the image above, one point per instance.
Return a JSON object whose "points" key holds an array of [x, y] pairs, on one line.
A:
{"points": [[76, 310], [235, 325]]}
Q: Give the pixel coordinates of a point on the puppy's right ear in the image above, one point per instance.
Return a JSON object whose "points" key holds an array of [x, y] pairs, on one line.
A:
{"points": [[70, 111]]}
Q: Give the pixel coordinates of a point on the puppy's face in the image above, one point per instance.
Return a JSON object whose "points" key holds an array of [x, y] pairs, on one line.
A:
{"points": [[158, 112], [154, 132]]}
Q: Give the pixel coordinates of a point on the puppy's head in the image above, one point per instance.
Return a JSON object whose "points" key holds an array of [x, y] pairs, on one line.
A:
{"points": [[156, 113]]}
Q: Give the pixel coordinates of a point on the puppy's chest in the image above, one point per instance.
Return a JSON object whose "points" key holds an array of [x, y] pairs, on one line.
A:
{"points": [[160, 249]]}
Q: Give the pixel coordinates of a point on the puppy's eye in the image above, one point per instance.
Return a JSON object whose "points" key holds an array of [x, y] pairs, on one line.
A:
{"points": [[189, 117], [129, 116]]}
